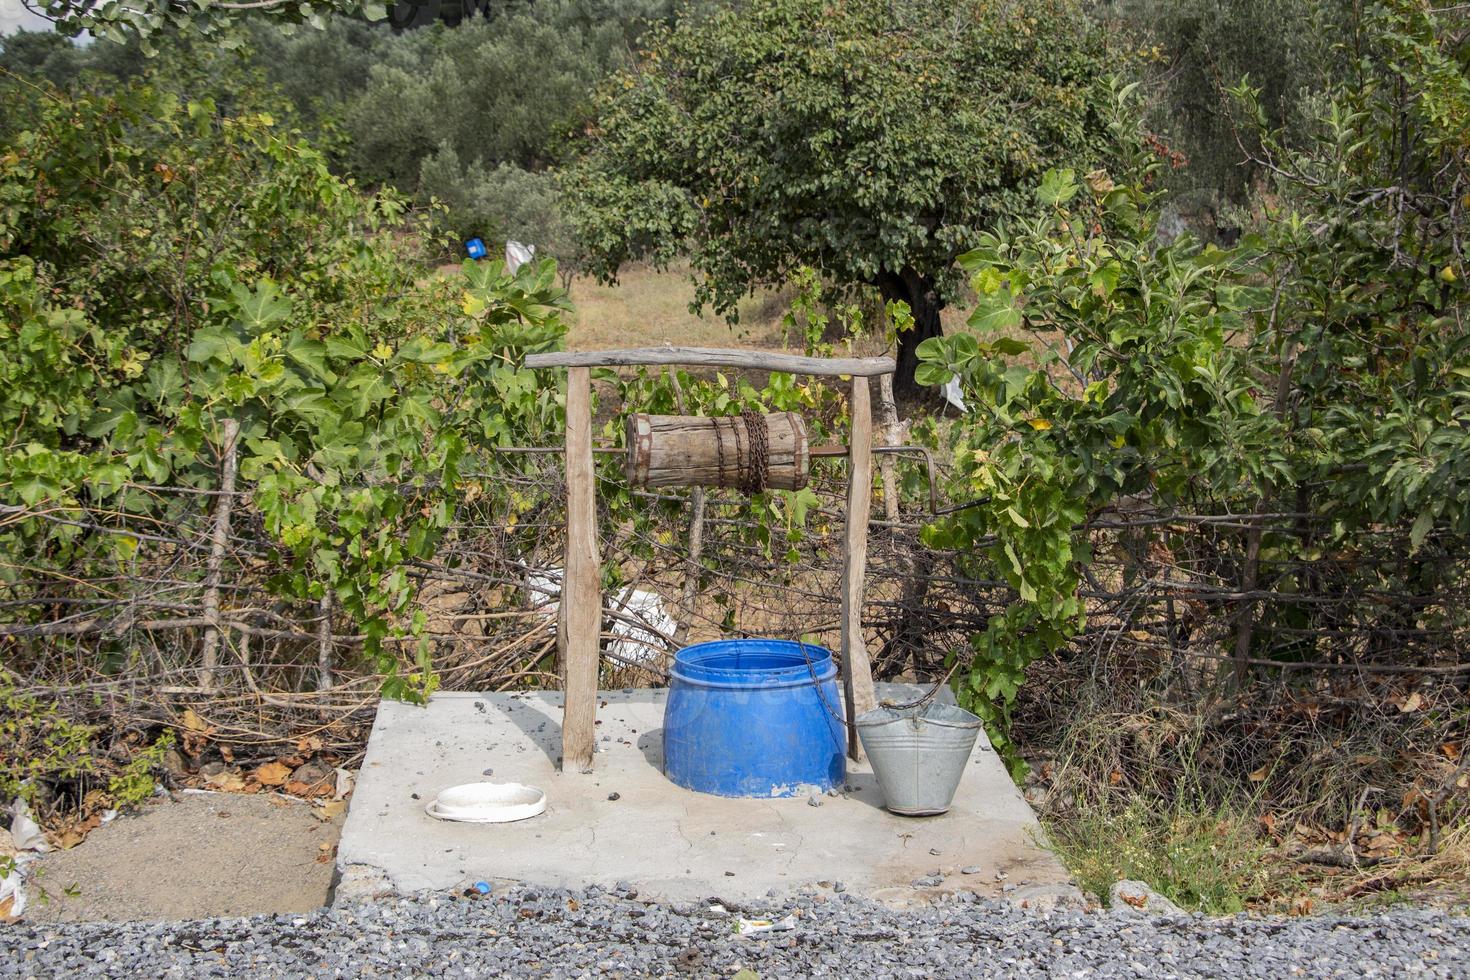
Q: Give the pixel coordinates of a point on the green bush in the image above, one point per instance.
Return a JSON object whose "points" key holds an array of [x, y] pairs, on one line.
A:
{"points": [[1321, 367], [164, 268]]}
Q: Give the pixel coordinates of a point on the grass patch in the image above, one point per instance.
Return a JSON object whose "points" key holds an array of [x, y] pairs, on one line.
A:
{"points": [[1223, 817], [1139, 795], [1209, 860], [649, 308]]}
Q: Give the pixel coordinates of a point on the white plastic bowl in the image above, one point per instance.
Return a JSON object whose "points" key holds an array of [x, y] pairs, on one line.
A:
{"points": [[487, 803]]}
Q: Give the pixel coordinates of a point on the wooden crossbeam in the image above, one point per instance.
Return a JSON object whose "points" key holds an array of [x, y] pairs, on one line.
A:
{"points": [[828, 367]]}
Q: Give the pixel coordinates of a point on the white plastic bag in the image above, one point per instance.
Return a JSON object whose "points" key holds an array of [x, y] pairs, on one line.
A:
{"points": [[517, 255], [952, 394], [643, 626], [20, 846], [24, 831]]}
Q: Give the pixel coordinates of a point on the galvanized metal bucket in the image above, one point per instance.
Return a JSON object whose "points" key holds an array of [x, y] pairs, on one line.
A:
{"points": [[918, 754]]}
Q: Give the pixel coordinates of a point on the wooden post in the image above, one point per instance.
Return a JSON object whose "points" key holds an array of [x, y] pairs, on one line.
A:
{"points": [[324, 642], [888, 412], [579, 617], [696, 536], [219, 540], [857, 672]]}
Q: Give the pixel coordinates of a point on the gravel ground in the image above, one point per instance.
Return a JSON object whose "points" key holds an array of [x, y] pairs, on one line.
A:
{"points": [[526, 932]]}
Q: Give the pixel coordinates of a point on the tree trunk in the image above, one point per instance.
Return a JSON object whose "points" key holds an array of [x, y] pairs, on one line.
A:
{"points": [[921, 294]]}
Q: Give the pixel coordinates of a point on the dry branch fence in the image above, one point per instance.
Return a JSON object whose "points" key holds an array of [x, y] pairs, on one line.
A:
{"points": [[189, 618]]}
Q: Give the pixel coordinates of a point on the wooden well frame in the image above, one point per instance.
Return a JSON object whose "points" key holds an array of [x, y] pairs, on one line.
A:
{"points": [[579, 617]]}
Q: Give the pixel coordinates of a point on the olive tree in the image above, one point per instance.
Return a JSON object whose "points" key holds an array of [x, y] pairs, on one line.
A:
{"points": [[869, 139]]}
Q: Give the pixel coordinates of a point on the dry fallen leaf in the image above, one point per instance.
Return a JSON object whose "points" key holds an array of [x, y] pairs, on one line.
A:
{"points": [[193, 722], [1411, 703], [227, 781], [328, 811], [272, 774]]}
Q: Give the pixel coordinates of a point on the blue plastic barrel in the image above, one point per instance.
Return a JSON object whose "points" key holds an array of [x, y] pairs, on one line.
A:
{"points": [[754, 718]]}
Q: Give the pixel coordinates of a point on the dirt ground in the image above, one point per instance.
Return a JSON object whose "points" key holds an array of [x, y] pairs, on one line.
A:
{"points": [[199, 855]]}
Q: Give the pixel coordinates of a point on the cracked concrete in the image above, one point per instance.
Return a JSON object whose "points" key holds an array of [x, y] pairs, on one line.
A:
{"points": [[667, 842]]}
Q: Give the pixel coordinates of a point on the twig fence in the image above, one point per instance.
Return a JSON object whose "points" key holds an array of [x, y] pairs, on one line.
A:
{"points": [[190, 617]]}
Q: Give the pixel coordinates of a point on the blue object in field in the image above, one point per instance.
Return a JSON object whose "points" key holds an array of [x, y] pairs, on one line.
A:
{"points": [[754, 718], [476, 248]]}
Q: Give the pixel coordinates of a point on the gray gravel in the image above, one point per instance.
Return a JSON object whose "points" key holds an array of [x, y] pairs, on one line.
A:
{"points": [[529, 932]]}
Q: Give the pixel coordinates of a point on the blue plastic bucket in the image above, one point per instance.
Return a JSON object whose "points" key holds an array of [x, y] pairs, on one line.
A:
{"points": [[754, 718]]}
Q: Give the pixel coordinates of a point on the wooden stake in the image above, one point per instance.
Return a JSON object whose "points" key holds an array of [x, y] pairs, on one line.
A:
{"points": [[219, 540], [696, 535], [324, 642], [888, 412], [579, 619], [857, 672]]}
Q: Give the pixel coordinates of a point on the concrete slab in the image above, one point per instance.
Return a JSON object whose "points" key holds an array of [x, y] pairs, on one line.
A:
{"points": [[626, 823]]}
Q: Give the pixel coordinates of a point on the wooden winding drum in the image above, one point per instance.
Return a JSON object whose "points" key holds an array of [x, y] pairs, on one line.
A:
{"points": [[751, 451]]}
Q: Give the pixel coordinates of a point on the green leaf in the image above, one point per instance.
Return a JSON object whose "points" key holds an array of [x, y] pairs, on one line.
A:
{"points": [[1420, 530], [311, 355], [987, 281], [1057, 187], [1105, 279], [424, 351], [349, 347], [214, 344], [260, 307], [933, 349], [931, 374], [1004, 317]]}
